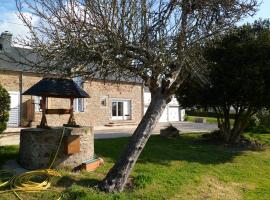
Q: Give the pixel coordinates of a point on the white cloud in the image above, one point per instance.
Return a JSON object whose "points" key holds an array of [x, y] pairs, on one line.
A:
{"points": [[10, 21]]}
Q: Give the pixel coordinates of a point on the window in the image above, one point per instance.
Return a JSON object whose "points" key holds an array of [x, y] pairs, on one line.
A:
{"points": [[78, 105], [37, 103], [121, 109], [1, 47], [103, 101], [79, 102], [114, 108], [117, 109]]}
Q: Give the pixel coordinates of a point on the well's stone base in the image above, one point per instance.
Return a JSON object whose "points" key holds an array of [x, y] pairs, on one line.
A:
{"points": [[38, 147]]}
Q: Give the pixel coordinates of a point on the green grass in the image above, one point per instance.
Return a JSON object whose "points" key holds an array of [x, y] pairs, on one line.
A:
{"points": [[210, 120], [187, 168], [7, 153]]}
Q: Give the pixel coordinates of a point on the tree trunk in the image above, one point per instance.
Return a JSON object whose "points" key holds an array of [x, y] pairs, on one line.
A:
{"points": [[225, 133], [225, 127], [239, 126], [233, 135], [119, 173]]}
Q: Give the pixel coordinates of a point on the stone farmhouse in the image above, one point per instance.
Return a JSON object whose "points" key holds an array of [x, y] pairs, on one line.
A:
{"points": [[110, 103]]}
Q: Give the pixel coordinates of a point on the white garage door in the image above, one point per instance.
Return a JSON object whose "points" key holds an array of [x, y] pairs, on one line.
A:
{"points": [[174, 114], [170, 114], [14, 112]]}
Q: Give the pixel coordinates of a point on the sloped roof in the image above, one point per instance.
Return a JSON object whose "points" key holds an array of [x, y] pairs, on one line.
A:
{"points": [[18, 54], [58, 88], [13, 59], [16, 59]]}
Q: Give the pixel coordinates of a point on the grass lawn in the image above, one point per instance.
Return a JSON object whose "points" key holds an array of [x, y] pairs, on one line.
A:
{"points": [[210, 120], [186, 168]]}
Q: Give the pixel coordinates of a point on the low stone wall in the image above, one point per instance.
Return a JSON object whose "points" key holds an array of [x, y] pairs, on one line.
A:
{"points": [[38, 147]]}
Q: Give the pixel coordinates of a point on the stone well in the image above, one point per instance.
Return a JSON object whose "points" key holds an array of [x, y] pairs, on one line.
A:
{"points": [[38, 147]]}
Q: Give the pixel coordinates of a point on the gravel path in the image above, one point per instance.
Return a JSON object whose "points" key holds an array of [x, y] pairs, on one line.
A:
{"points": [[13, 138]]}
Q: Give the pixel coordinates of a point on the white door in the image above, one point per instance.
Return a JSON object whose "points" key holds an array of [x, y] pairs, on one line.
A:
{"points": [[121, 110], [127, 110], [164, 116], [14, 112], [174, 114]]}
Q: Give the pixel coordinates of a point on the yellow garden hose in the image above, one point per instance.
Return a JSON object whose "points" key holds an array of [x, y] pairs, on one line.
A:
{"points": [[24, 182]]}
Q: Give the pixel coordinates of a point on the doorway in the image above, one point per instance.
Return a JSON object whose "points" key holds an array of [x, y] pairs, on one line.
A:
{"points": [[121, 109]]}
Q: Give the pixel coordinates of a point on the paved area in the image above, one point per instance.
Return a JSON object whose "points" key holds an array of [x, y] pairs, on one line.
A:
{"points": [[9, 139], [184, 127], [11, 135]]}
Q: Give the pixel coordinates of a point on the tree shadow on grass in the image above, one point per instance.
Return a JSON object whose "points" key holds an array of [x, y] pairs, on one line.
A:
{"points": [[188, 147], [7, 153], [67, 181]]}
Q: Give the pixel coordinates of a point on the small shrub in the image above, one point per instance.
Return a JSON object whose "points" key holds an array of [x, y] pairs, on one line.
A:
{"points": [[171, 128], [252, 124], [4, 108], [260, 123], [263, 117], [169, 132]]}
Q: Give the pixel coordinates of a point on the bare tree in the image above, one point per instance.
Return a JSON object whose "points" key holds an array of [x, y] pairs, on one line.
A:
{"points": [[155, 40]]}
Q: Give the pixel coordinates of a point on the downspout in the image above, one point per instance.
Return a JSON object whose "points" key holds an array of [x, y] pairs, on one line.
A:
{"points": [[20, 93]]}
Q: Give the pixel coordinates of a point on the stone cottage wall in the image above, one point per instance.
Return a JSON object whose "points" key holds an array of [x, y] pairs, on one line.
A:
{"points": [[10, 80], [95, 114], [99, 114]]}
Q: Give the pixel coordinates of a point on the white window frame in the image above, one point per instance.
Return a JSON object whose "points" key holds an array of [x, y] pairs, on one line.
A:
{"points": [[103, 99], [37, 103], [37, 100], [78, 104], [121, 117]]}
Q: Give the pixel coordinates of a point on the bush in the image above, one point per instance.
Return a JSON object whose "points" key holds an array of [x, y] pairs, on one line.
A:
{"points": [[169, 132], [260, 122], [234, 79], [263, 117], [4, 108]]}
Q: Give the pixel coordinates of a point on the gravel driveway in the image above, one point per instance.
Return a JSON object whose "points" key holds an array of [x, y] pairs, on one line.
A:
{"points": [[185, 127], [13, 138]]}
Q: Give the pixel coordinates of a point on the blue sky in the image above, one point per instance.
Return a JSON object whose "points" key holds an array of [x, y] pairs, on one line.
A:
{"points": [[10, 22], [264, 11]]}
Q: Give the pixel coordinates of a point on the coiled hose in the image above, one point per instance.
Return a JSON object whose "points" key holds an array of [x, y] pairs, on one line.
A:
{"points": [[24, 182]]}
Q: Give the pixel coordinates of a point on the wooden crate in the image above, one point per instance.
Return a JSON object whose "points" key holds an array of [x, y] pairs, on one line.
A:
{"points": [[92, 165], [72, 144]]}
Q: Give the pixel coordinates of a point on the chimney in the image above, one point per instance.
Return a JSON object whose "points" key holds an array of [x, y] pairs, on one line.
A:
{"points": [[5, 41]]}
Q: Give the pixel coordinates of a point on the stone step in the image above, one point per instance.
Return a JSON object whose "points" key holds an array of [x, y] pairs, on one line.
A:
{"points": [[121, 123]]}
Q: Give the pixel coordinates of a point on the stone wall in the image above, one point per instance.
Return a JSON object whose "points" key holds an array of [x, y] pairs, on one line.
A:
{"points": [[10, 80], [94, 113], [39, 146], [100, 115]]}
